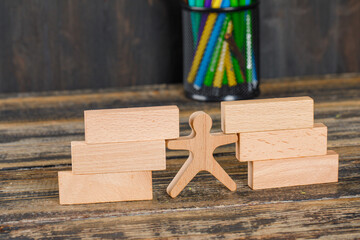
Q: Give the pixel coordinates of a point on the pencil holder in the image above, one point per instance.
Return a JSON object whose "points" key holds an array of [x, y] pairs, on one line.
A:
{"points": [[221, 49]]}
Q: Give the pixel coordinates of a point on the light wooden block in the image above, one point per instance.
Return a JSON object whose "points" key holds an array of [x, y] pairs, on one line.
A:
{"points": [[253, 146], [118, 157], [131, 124], [110, 187], [293, 171], [267, 114]]}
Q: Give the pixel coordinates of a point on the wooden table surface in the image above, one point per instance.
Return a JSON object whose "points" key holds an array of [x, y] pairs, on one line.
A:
{"points": [[35, 135]]}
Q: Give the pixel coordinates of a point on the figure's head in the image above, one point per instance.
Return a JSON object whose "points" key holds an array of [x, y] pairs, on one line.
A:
{"points": [[200, 121]]}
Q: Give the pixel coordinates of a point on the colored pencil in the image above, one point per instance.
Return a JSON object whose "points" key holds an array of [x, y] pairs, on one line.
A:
{"points": [[203, 19], [194, 23], [210, 21], [209, 77], [221, 66], [230, 69], [236, 18], [199, 80]]}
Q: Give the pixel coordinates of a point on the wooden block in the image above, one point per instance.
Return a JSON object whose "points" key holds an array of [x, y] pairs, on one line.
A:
{"points": [[131, 124], [117, 157], [253, 146], [293, 171], [267, 114], [109, 187]]}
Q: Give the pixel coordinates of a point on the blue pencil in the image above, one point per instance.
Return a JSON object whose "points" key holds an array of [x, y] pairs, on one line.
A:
{"points": [[199, 79], [255, 78]]}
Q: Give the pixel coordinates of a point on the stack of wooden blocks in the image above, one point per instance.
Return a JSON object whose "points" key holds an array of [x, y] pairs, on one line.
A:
{"points": [[277, 137], [121, 149], [280, 142]]}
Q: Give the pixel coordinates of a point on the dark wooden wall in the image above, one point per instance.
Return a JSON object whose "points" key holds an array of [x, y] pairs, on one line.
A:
{"points": [[73, 44], [309, 37]]}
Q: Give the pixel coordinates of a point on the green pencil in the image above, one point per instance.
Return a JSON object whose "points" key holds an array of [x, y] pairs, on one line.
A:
{"points": [[240, 39], [209, 77], [248, 43], [225, 80], [198, 3], [195, 23], [236, 18]]}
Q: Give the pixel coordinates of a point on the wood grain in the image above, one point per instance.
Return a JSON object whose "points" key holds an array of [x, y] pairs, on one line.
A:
{"points": [[109, 187], [35, 134], [56, 45], [253, 146], [131, 124], [267, 114], [293, 171], [117, 157], [298, 34], [227, 222]]}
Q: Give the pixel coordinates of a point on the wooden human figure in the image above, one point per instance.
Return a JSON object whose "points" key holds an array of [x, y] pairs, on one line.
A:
{"points": [[201, 144]]}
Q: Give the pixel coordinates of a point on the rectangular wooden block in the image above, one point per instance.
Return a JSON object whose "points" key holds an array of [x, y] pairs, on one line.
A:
{"points": [[131, 124], [109, 187], [253, 146], [267, 114], [293, 171], [117, 157]]}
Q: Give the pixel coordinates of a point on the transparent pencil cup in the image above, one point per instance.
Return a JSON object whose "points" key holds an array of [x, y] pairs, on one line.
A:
{"points": [[221, 50]]}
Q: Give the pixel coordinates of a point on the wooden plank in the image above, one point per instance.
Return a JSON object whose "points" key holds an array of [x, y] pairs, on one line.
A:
{"points": [[34, 193], [129, 46], [131, 124], [110, 187], [311, 219], [293, 171], [117, 157], [315, 52], [253, 146], [267, 114], [71, 104], [52, 57], [36, 129]]}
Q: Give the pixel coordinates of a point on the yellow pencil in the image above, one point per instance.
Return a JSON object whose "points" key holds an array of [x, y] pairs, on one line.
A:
{"points": [[230, 69], [220, 69], [203, 41]]}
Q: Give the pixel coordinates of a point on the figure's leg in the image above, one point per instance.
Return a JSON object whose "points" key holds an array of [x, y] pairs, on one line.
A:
{"points": [[186, 173], [222, 176]]}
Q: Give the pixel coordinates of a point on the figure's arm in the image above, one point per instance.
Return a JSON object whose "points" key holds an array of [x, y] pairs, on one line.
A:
{"points": [[179, 143], [223, 139]]}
